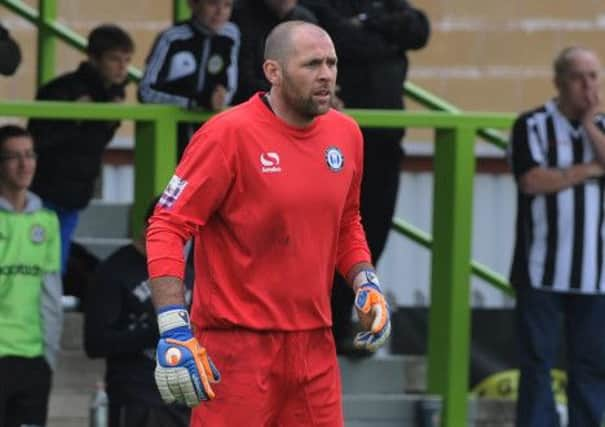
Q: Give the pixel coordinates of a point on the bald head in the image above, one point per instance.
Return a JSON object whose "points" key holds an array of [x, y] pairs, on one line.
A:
{"points": [[565, 58], [280, 42]]}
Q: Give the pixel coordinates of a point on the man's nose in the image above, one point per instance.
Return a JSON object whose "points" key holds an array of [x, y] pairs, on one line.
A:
{"points": [[326, 72]]}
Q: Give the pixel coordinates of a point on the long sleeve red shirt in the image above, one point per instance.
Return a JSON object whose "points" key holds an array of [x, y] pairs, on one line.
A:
{"points": [[273, 210]]}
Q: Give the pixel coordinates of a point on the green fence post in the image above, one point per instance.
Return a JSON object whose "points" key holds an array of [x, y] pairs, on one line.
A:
{"points": [[155, 160], [47, 46], [180, 10], [449, 317]]}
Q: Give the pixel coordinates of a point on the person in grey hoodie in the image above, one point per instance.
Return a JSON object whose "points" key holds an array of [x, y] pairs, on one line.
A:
{"points": [[31, 314]]}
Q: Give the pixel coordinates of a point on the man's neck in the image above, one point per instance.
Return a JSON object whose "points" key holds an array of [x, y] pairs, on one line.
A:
{"points": [[18, 199], [281, 110], [569, 113], [198, 22]]}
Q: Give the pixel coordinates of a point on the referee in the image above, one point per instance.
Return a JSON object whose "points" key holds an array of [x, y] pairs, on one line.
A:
{"points": [[558, 159]]}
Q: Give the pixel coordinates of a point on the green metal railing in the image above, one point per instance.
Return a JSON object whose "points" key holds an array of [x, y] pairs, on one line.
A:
{"points": [[455, 134], [449, 318], [435, 103]]}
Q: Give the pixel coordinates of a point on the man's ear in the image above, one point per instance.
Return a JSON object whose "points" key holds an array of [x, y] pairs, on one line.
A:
{"points": [[273, 72], [556, 81], [93, 60]]}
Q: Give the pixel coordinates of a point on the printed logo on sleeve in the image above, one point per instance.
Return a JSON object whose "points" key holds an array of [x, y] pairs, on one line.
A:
{"points": [[270, 162], [172, 192]]}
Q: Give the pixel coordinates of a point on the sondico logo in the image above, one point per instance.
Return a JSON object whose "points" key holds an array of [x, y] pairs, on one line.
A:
{"points": [[270, 162]]}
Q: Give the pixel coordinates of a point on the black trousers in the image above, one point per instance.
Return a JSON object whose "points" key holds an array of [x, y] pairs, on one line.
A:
{"points": [[144, 415], [382, 167], [24, 391]]}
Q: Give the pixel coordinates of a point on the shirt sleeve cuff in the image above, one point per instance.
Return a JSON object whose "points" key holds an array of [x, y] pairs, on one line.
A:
{"points": [[350, 259], [161, 268]]}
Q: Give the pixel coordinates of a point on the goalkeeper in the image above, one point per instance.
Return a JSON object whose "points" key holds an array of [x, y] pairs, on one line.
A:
{"points": [[269, 190]]}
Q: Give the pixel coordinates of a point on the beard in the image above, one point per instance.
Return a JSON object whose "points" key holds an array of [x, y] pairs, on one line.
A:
{"points": [[304, 105]]}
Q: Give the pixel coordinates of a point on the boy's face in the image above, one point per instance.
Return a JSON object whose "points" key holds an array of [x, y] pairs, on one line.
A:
{"points": [[17, 163], [113, 66], [212, 13]]}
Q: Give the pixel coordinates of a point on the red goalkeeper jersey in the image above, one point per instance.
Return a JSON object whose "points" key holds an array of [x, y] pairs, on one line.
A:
{"points": [[273, 210]]}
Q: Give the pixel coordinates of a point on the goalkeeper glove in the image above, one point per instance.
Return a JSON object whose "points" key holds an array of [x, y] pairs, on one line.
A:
{"points": [[373, 312], [183, 371]]}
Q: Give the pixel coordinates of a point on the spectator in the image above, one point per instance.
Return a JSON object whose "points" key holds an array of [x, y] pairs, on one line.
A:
{"points": [[69, 151], [10, 53], [372, 39], [264, 269], [120, 326], [31, 315], [256, 18], [194, 63], [558, 160]]}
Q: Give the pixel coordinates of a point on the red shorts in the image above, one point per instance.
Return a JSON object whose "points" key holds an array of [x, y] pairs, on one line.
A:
{"points": [[271, 379]]}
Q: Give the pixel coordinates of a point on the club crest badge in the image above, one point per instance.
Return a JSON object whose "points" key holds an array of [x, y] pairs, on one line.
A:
{"points": [[334, 159], [37, 234], [215, 64]]}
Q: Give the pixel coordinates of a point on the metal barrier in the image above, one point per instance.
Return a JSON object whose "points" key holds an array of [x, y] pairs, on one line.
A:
{"points": [[455, 134]]}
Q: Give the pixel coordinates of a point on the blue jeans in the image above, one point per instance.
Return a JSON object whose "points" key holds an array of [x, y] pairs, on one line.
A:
{"points": [[539, 317], [68, 221]]}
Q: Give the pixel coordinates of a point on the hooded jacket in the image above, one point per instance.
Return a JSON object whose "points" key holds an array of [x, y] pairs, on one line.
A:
{"points": [[31, 313], [70, 151]]}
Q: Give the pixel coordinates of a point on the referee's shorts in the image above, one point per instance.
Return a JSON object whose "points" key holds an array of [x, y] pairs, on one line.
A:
{"points": [[272, 379]]}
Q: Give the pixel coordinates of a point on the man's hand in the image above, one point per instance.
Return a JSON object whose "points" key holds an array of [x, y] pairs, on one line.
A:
{"points": [[594, 170], [372, 310], [592, 105], [183, 370], [218, 99]]}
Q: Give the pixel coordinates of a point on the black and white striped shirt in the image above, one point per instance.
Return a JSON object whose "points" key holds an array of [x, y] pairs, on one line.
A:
{"points": [[559, 236]]}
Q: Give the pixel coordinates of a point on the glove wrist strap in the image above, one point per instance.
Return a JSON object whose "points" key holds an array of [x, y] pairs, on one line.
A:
{"points": [[366, 278], [172, 317]]}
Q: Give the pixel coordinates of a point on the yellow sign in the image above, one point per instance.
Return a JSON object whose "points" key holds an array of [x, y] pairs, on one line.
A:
{"points": [[504, 385]]}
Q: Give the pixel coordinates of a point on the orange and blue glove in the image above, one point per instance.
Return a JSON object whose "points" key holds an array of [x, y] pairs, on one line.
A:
{"points": [[373, 311], [183, 371]]}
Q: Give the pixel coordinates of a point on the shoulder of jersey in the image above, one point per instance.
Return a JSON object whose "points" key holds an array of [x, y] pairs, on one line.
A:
{"points": [[177, 32], [230, 30], [48, 213], [232, 115], [342, 118]]}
